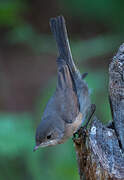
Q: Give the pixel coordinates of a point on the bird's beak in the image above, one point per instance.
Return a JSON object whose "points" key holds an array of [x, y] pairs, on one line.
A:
{"points": [[45, 144], [35, 148]]}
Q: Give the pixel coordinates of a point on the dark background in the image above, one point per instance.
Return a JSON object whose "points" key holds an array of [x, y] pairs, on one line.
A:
{"points": [[28, 77]]}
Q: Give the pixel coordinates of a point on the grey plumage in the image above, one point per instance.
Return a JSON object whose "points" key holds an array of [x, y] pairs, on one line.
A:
{"points": [[68, 106]]}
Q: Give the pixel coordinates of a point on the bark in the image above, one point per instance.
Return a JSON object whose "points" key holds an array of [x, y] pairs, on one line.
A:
{"points": [[99, 149]]}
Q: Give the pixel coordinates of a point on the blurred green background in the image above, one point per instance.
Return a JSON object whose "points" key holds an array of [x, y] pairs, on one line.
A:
{"points": [[28, 77]]}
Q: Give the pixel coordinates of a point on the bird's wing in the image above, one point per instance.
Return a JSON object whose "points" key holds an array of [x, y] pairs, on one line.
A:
{"points": [[58, 28], [66, 98]]}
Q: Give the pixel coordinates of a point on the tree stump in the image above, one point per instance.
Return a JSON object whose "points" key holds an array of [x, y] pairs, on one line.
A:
{"points": [[99, 150]]}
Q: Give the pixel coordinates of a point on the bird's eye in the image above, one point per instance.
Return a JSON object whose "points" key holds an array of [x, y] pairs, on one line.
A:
{"points": [[49, 136]]}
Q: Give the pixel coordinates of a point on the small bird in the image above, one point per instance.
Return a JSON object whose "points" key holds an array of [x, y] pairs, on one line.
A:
{"points": [[67, 108]]}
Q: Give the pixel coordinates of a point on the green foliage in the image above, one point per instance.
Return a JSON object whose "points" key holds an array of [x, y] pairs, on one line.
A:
{"points": [[95, 47], [106, 11], [17, 136], [10, 12]]}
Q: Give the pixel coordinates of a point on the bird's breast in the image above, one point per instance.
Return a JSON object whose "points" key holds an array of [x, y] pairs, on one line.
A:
{"points": [[71, 128]]}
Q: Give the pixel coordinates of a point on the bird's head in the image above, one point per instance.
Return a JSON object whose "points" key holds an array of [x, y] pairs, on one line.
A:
{"points": [[47, 134]]}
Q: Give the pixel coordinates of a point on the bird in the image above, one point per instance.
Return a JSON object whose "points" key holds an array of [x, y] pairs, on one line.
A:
{"points": [[66, 110]]}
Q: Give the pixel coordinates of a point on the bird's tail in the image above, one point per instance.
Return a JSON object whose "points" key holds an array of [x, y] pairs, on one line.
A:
{"points": [[58, 28]]}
